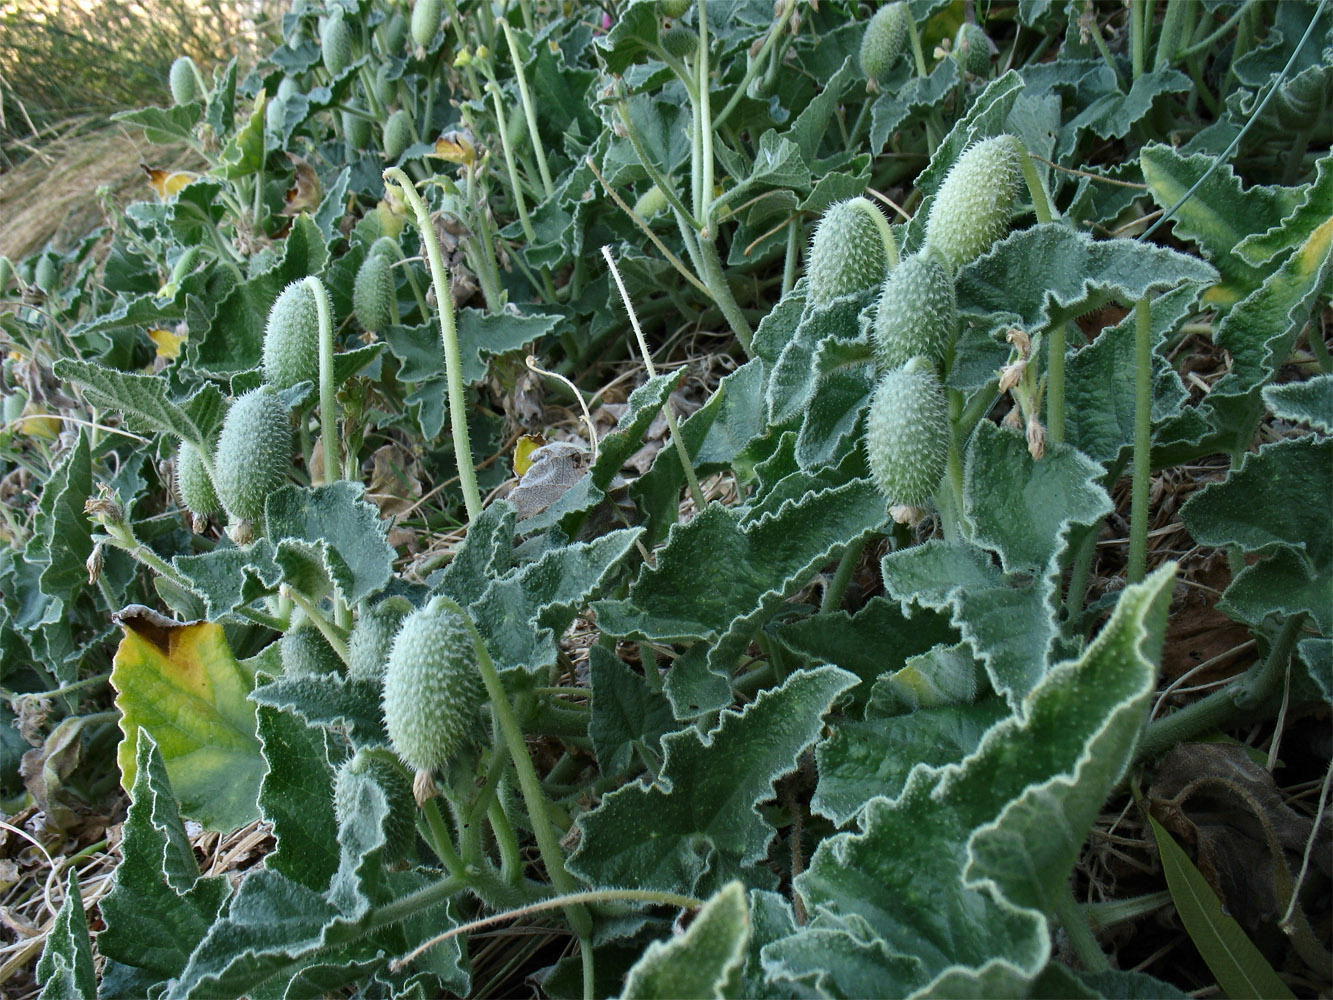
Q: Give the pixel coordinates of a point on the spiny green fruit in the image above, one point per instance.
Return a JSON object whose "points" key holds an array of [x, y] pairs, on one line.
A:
{"points": [[373, 293], [306, 653], [907, 434], [291, 338], [400, 826], [254, 453], [395, 32], [193, 484], [184, 81], [425, 21], [673, 8], [680, 41], [885, 39], [275, 115], [386, 246], [972, 207], [335, 44], [356, 129], [971, 49], [652, 202], [372, 638], [385, 84], [917, 312], [432, 688], [397, 134], [847, 252]]}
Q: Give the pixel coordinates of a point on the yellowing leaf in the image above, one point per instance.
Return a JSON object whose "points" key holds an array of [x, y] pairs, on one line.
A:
{"points": [[523, 450], [306, 191], [181, 683], [167, 183], [456, 147], [168, 342]]}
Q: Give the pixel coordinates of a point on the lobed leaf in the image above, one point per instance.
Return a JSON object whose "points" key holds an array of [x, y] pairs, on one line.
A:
{"points": [[705, 961]]}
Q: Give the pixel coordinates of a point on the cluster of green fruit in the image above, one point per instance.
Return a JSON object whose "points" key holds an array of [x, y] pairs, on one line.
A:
{"points": [[908, 430]]}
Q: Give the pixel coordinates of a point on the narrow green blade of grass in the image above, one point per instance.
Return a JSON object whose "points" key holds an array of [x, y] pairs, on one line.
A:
{"points": [[1240, 968]]}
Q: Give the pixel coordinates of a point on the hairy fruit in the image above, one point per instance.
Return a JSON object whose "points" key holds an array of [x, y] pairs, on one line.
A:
{"points": [[847, 253], [291, 338], [917, 313], [885, 39], [254, 453], [907, 434], [378, 766], [372, 638], [373, 292], [193, 484], [972, 207], [184, 81]]}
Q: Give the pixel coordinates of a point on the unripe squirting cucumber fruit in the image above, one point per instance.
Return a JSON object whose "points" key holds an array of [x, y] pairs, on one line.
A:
{"points": [[254, 453], [193, 484], [372, 638], [847, 254], [291, 338], [971, 49], [425, 21], [395, 32], [432, 688], [907, 434], [917, 313], [885, 39], [306, 653], [356, 129], [680, 41], [373, 293], [972, 207], [184, 81], [335, 43], [673, 8], [397, 134], [400, 827]]}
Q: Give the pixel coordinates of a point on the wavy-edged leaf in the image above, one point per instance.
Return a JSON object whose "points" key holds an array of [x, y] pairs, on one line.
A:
{"points": [[896, 105], [228, 578], [61, 538], [296, 796], [1258, 248], [705, 961], [697, 826], [348, 704], [333, 528], [1309, 402], [159, 908], [796, 373], [1240, 968], [181, 684], [971, 920], [626, 712], [65, 969], [481, 336]]}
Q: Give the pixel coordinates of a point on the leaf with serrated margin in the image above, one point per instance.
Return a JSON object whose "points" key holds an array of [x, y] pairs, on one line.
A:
{"points": [[1050, 272], [159, 908], [523, 614], [895, 105], [347, 704], [1113, 114], [182, 685], [486, 554], [833, 412], [705, 961], [771, 919], [1258, 249], [697, 826], [296, 797], [65, 969], [959, 870], [1275, 505], [1260, 331], [778, 327], [146, 402], [625, 711], [234, 340], [1309, 402], [1218, 216], [836, 961], [720, 576], [861, 760], [612, 452], [1022, 508], [165, 126], [481, 336], [334, 528], [794, 377], [778, 165], [62, 538], [1099, 384], [228, 578]]}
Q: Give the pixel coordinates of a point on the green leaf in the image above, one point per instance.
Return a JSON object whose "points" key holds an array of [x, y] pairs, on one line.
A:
{"points": [[1259, 248], [165, 126], [705, 961], [181, 684], [1113, 114], [697, 826], [1275, 505], [1219, 215], [228, 578], [626, 711], [945, 887], [146, 401], [65, 969], [159, 908], [296, 797], [895, 105], [1309, 402], [481, 336], [333, 528], [1050, 272], [1240, 968], [796, 373], [721, 576], [349, 705], [61, 535]]}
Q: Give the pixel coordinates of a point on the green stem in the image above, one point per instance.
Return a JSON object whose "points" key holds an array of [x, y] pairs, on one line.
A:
{"points": [[753, 66], [328, 414], [467, 474], [511, 862], [1168, 41], [317, 618], [412, 282], [1102, 915], [1142, 461], [1138, 40], [701, 207], [1206, 44], [511, 168], [721, 292], [837, 587], [1100, 42], [440, 840], [1320, 350], [793, 258], [529, 109], [918, 54], [1055, 382], [122, 537], [1075, 923], [1041, 202], [654, 174], [1220, 708], [486, 264]]}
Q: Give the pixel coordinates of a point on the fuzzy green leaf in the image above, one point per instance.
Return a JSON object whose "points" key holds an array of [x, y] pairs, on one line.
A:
{"points": [[65, 969], [895, 106], [228, 578], [796, 374], [333, 528], [1240, 968], [481, 336], [625, 711], [296, 796], [61, 537], [972, 921], [1309, 402], [347, 704], [1259, 248], [705, 961], [697, 826]]}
